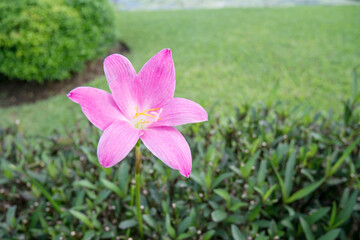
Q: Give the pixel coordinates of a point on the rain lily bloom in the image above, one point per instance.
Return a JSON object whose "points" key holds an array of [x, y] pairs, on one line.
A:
{"points": [[142, 105]]}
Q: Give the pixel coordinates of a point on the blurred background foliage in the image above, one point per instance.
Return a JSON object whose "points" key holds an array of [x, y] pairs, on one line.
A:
{"points": [[49, 39], [305, 55]]}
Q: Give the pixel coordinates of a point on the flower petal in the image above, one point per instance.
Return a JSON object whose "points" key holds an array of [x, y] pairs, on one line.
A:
{"points": [[181, 111], [169, 146], [98, 106], [121, 77], [157, 79], [116, 142]]}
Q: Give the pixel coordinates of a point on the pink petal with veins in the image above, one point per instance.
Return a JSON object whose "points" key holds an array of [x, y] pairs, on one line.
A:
{"points": [[121, 77], [98, 106], [116, 142], [181, 111], [169, 146], [157, 79]]}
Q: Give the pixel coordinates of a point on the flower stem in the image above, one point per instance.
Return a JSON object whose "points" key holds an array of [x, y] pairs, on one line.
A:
{"points": [[137, 188]]}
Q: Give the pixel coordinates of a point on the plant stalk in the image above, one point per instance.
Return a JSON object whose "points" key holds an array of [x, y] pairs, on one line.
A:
{"points": [[137, 188]]}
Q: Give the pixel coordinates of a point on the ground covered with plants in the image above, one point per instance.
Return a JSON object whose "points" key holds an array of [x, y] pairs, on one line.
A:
{"points": [[257, 174]]}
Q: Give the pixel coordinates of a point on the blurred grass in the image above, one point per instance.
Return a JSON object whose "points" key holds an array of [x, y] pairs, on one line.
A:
{"points": [[232, 56]]}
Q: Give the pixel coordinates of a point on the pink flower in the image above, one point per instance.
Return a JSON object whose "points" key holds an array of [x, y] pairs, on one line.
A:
{"points": [[141, 106]]}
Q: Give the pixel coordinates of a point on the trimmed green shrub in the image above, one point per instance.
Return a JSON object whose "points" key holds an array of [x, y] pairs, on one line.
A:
{"points": [[48, 39], [258, 174]]}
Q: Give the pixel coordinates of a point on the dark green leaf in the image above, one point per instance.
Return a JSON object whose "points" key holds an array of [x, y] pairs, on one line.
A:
{"points": [[223, 193], [111, 186], [254, 213], [208, 235], [89, 235], [10, 216], [331, 235], [82, 217], [184, 225], [305, 191], [289, 173], [169, 228], [343, 157], [218, 215], [262, 172], [317, 215], [127, 224], [150, 221], [306, 228], [236, 234], [84, 183]]}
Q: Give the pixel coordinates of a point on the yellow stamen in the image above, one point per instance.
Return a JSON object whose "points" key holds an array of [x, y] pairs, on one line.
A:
{"points": [[137, 114]]}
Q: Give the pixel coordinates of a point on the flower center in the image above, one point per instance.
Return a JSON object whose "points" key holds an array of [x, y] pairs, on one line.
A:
{"points": [[148, 116]]}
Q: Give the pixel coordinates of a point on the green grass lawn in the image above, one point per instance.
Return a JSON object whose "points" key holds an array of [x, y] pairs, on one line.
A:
{"points": [[234, 56]]}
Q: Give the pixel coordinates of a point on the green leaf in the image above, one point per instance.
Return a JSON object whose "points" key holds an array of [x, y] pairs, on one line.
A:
{"points": [[268, 192], [104, 194], [150, 221], [184, 225], [289, 173], [254, 213], [10, 216], [287, 223], [184, 236], [197, 178], [344, 198], [221, 178], [306, 229], [218, 215], [169, 228], [262, 236], [236, 170], [111, 186], [89, 235], [281, 183], [332, 216], [343, 157], [261, 173], [123, 177], [35, 216], [331, 235], [317, 215], [82, 217], [223, 193], [347, 210], [249, 164], [237, 205], [236, 234], [127, 224], [307, 174], [208, 235], [305, 191], [84, 183]]}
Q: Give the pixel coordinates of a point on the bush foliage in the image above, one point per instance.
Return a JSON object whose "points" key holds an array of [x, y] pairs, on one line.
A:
{"points": [[48, 39], [256, 175]]}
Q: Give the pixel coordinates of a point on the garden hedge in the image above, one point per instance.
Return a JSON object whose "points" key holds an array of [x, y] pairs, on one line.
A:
{"points": [[260, 173], [48, 39]]}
